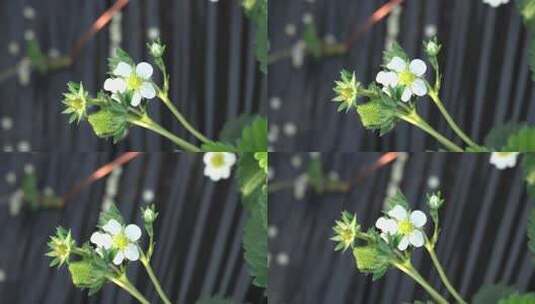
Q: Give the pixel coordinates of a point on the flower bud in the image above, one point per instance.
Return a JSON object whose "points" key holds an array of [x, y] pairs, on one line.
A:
{"points": [[432, 48], [149, 216], [434, 201], [106, 123], [156, 49]]}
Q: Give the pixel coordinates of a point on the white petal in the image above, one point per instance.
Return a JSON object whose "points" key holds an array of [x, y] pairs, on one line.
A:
{"points": [[381, 78], [224, 172], [503, 160], [380, 223], [397, 64], [95, 238], [391, 226], [407, 94], [398, 212], [112, 227], [144, 70], [118, 259], [132, 232], [212, 173], [131, 252], [207, 157], [418, 218], [106, 241], [230, 159], [418, 87], [392, 79], [403, 244], [147, 90], [119, 85], [418, 67], [416, 238], [136, 99], [108, 85], [123, 69]]}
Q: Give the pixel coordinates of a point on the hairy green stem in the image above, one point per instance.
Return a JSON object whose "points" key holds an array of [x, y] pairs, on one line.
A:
{"points": [[154, 279], [415, 275], [181, 119], [436, 99], [442, 275], [419, 122], [125, 284], [149, 124]]}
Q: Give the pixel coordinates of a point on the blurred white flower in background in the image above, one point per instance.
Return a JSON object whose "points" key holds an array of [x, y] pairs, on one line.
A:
{"points": [[503, 160], [218, 165], [495, 3]]}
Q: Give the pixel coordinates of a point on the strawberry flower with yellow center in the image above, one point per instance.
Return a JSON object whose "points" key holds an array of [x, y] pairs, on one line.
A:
{"points": [[407, 225], [121, 239], [135, 80], [408, 76], [218, 165]]}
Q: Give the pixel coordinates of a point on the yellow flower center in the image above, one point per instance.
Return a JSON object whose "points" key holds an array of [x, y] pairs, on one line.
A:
{"points": [[347, 235], [406, 78], [405, 227], [217, 160], [133, 82], [504, 154], [62, 250], [120, 241], [78, 104], [348, 93]]}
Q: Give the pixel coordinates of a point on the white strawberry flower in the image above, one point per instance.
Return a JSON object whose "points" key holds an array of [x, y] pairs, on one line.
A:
{"points": [[121, 239], [403, 223], [135, 80], [407, 75], [495, 3], [218, 164], [503, 160]]}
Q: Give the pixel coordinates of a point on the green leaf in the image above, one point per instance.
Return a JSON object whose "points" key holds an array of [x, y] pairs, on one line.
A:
{"points": [[120, 56], [497, 138], [255, 240], [397, 199], [111, 214], [531, 232], [213, 300], [232, 130], [522, 141], [30, 190], [37, 58], [528, 166], [527, 10], [219, 147], [378, 114], [262, 158], [312, 40], [257, 11], [517, 298], [107, 123], [394, 51], [88, 273], [369, 259], [254, 136], [491, 294], [316, 176]]}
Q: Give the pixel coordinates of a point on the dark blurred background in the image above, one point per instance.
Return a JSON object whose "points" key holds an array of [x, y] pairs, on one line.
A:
{"points": [[484, 59], [198, 232], [210, 57], [483, 238]]}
